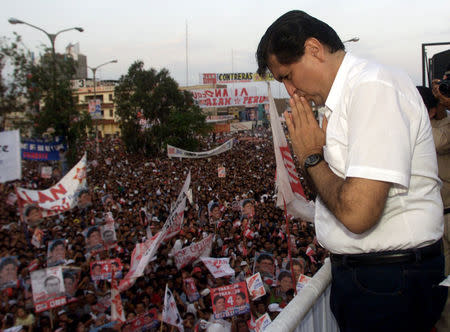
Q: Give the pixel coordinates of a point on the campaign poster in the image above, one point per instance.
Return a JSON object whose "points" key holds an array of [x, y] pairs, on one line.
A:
{"points": [[302, 281], [56, 252], [32, 215], [191, 289], [143, 322], [265, 265], [214, 212], [262, 322], [71, 277], [46, 172], [48, 288], [221, 172], [8, 272], [84, 199], [93, 239], [230, 300], [109, 235], [255, 286], [247, 208], [103, 270], [37, 238]]}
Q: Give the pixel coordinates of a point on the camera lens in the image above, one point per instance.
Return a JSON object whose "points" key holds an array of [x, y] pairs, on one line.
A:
{"points": [[444, 88]]}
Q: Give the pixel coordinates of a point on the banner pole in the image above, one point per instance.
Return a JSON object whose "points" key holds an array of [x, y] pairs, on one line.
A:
{"points": [[289, 247]]}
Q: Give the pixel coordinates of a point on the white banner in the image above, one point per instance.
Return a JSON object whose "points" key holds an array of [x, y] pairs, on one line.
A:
{"points": [[262, 322], [238, 126], [170, 314], [219, 267], [287, 182], [222, 97], [117, 312], [10, 167], [174, 222], [180, 153], [61, 197], [198, 249]]}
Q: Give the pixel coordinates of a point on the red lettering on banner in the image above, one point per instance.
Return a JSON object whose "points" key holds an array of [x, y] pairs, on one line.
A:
{"points": [[209, 93], [244, 92], [44, 198], [227, 101], [288, 162], [58, 190]]}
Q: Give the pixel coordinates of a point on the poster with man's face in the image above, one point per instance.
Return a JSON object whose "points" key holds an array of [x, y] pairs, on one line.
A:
{"points": [[32, 215], [71, 277], [8, 272], [230, 300], [93, 239], [56, 252], [214, 211], [248, 208], [109, 235], [84, 198], [48, 288]]}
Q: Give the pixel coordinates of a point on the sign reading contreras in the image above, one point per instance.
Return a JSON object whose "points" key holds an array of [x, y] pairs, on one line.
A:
{"points": [[228, 97], [213, 78]]}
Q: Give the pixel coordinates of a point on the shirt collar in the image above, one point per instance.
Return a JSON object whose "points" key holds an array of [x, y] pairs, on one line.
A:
{"points": [[338, 84]]}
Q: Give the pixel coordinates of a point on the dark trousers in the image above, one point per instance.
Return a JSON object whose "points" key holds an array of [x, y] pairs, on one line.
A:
{"points": [[388, 297]]}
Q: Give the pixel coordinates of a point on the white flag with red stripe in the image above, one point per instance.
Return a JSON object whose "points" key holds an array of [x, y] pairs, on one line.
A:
{"points": [[287, 181], [117, 312], [170, 314], [219, 267]]}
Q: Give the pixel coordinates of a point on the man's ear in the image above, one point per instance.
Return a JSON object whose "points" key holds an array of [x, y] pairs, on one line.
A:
{"points": [[432, 112], [315, 48]]}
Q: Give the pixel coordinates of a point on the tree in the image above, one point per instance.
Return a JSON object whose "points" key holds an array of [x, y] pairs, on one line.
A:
{"points": [[154, 112], [44, 88]]}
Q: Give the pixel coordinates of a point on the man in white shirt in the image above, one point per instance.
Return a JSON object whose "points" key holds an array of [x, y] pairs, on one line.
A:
{"points": [[373, 163]]}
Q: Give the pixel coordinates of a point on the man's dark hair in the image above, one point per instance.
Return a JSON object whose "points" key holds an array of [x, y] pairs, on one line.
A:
{"points": [[263, 256], [241, 295], [217, 298], [92, 230], [286, 37], [7, 261], [29, 209], [284, 274], [57, 243], [49, 278], [69, 275]]}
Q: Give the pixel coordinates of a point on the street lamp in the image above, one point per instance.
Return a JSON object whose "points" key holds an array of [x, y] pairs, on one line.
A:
{"points": [[94, 70], [354, 40], [52, 37]]}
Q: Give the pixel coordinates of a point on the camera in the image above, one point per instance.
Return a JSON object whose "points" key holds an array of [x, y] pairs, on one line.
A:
{"points": [[444, 88]]}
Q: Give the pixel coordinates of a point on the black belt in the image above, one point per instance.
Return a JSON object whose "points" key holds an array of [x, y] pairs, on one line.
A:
{"points": [[446, 210], [388, 257]]}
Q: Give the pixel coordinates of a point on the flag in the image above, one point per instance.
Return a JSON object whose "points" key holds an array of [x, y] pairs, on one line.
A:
{"points": [[188, 254], [219, 267], [170, 314], [117, 312], [287, 181]]}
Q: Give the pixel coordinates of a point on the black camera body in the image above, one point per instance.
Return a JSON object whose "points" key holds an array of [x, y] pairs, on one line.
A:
{"points": [[444, 88]]}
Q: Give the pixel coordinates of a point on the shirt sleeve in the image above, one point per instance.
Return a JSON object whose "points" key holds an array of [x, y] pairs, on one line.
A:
{"points": [[380, 142]]}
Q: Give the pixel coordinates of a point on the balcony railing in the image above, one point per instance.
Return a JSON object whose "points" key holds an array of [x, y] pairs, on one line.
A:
{"points": [[310, 310]]}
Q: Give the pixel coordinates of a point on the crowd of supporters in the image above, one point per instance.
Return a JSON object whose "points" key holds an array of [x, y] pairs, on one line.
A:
{"points": [[137, 193]]}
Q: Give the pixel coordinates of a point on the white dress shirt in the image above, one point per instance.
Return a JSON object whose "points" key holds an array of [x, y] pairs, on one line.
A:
{"points": [[378, 129]]}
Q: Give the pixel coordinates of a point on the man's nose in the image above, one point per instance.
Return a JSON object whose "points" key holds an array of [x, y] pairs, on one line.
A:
{"points": [[290, 88]]}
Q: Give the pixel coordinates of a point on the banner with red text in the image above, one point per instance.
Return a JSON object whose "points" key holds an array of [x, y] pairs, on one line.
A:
{"points": [[103, 270], [287, 183], [221, 97], [170, 314], [143, 322], [222, 78], [219, 267], [117, 312], [230, 300], [188, 254], [262, 322], [61, 197], [191, 289]]}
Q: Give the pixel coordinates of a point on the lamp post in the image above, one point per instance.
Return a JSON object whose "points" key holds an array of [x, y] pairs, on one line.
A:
{"points": [[94, 71], [52, 37], [351, 40]]}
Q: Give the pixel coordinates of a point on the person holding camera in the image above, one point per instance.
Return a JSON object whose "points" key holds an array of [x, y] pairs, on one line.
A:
{"points": [[373, 163]]}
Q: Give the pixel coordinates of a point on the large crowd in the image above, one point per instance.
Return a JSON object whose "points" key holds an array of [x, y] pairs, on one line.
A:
{"points": [[137, 193]]}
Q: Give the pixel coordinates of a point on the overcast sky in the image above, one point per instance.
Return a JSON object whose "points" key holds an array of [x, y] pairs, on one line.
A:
{"points": [[223, 35]]}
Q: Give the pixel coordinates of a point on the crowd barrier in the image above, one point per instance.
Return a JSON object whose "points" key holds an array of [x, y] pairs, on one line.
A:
{"points": [[309, 311]]}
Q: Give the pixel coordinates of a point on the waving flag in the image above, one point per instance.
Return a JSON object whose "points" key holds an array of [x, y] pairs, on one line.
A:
{"points": [[170, 314], [61, 197], [287, 181], [117, 312], [188, 254], [219, 267]]}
